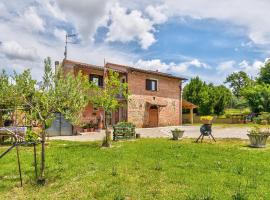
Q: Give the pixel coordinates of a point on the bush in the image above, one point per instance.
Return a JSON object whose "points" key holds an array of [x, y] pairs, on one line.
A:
{"points": [[31, 136], [263, 118], [123, 130]]}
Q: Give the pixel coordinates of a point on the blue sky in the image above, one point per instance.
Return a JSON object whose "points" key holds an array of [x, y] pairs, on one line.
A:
{"points": [[184, 38]]}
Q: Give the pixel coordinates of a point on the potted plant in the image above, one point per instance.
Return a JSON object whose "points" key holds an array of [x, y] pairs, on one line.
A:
{"points": [[85, 126], [91, 126], [258, 137], [177, 133], [206, 119]]}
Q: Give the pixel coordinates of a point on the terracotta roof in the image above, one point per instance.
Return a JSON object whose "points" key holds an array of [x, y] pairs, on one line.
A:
{"points": [[81, 64], [146, 71], [186, 104]]}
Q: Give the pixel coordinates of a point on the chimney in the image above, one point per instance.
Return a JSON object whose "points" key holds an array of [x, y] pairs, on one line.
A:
{"points": [[56, 65]]}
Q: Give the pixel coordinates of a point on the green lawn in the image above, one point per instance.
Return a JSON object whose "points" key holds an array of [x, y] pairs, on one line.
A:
{"points": [[142, 169]]}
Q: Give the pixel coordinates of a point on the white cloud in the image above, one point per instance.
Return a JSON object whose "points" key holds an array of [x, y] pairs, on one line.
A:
{"points": [[252, 14], [60, 34], [86, 15], [30, 20], [172, 68], [3, 11], [129, 26], [13, 50], [226, 67], [251, 69], [154, 65], [198, 64], [55, 11], [157, 14]]}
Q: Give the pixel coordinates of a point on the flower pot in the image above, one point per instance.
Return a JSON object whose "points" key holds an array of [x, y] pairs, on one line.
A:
{"points": [[85, 130], [258, 140], [177, 134], [91, 129]]}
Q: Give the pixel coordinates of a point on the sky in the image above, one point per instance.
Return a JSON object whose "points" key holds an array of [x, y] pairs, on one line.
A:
{"points": [[187, 38]]}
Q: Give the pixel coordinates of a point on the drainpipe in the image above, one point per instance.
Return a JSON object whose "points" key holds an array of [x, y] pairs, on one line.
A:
{"points": [[181, 104]]}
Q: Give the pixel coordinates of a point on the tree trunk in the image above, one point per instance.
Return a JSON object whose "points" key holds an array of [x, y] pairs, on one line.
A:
{"points": [[1, 120], [107, 139], [41, 179]]}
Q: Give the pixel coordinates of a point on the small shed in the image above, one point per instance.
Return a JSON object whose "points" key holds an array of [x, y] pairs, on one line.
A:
{"points": [[60, 126], [190, 106]]}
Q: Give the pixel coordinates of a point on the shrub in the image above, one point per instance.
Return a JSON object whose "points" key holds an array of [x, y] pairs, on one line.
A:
{"points": [[31, 136], [126, 124], [123, 130]]}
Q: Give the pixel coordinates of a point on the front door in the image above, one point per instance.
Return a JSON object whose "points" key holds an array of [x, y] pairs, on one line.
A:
{"points": [[153, 116], [116, 116]]}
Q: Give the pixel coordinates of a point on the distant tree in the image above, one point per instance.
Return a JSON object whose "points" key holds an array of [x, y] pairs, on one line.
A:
{"points": [[258, 97], [264, 74], [239, 103], [222, 97], [238, 81], [56, 93], [197, 92], [107, 98], [5, 94], [211, 99]]}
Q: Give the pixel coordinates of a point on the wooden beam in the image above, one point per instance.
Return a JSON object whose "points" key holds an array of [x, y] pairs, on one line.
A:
{"points": [[191, 116]]}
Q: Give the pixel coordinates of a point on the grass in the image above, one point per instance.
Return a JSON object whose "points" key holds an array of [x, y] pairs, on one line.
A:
{"points": [[237, 111], [142, 169]]}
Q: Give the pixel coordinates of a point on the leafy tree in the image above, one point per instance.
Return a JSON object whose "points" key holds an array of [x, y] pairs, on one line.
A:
{"points": [[222, 97], [264, 75], [210, 99], [258, 97], [56, 93], [106, 98], [5, 94], [196, 91], [238, 81]]}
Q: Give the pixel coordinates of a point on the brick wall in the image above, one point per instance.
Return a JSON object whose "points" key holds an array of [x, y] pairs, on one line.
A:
{"points": [[168, 93]]}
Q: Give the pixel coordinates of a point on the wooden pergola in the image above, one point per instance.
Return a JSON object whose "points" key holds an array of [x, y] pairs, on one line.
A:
{"points": [[190, 106]]}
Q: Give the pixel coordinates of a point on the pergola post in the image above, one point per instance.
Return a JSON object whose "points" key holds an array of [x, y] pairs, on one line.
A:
{"points": [[191, 115], [189, 106]]}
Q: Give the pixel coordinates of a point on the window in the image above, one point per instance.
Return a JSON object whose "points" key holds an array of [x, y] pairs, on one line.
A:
{"points": [[151, 85], [97, 79]]}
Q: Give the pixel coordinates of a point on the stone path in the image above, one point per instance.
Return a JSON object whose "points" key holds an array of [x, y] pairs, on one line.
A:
{"points": [[190, 132]]}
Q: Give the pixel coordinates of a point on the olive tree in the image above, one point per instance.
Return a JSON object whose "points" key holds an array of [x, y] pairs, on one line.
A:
{"points": [[67, 94], [107, 98]]}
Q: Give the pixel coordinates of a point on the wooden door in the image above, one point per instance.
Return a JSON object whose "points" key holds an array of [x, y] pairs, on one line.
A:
{"points": [[116, 115], [153, 116]]}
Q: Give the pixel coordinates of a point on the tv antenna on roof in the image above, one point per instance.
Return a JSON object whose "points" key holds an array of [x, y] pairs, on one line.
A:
{"points": [[68, 36]]}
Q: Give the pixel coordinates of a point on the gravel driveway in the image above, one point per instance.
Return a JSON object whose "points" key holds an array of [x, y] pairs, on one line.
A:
{"points": [[190, 132]]}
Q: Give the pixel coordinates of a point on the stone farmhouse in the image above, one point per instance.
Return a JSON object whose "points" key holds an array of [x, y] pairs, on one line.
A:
{"points": [[155, 98]]}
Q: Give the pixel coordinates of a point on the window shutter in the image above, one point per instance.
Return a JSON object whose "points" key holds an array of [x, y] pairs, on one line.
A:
{"points": [[148, 84], [100, 81], [90, 77]]}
